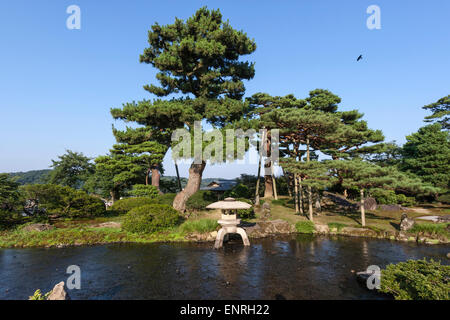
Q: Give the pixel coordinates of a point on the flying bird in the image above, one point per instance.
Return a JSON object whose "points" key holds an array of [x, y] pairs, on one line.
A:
{"points": [[359, 58]]}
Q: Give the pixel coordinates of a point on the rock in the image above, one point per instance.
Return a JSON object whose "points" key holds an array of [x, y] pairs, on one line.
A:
{"points": [[362, 277], [370, 204], [390, 207], [214, 234], [58, 293], [266, 228], [38, 227], [322, 228], [406, 223], [110, 224], [445, 218], [358, 232]]}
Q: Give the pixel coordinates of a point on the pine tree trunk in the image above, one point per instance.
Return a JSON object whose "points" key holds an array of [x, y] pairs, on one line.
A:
{"points": [[156, 176], [300, 195], [268, 182], [288, 183], [310, 205], [113, 196], [192, 186], [258, 178], [296, 193], [146, 176], [178, 176], [363, 213], [274, 182]]}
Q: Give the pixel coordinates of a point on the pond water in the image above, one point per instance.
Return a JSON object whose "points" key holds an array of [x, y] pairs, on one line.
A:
{"points": [[291, 267]]}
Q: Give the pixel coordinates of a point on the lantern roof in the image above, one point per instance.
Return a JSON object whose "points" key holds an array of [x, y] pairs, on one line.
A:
{"points": [[229, 204]]}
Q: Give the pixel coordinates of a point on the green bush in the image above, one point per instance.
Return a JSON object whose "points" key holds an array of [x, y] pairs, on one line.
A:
{"points": [[431, 228], [305, 227], [122, 206], [64, 201], [142, 190], [200, 199], [280, 202], [246, 213], [444, 198], [239, 191], [166, 198], [336, 225], [200, 226], [416, 280], [390, 197], [405, 201], [384, 196], [150, 218]]}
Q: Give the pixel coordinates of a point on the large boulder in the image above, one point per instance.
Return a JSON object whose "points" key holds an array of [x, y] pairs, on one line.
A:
{"points": [[58, 293], [38, 227], [370, 204], [406, 223], [266, 228]]}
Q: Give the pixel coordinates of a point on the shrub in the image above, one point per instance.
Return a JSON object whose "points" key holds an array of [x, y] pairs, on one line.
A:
{"points": [[64, 201], [405, 201], [336, 225], [384, 196], [122, 206], [444, 198], [150, 218], [416, 280], [305, 227], [246, 213], [431, 228], [142, 190], [166, 198], [201, 226], [239, 191], [200, 199]]}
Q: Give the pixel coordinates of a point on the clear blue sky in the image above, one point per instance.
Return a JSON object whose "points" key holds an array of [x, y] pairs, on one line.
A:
{"points": [[57, 85]]}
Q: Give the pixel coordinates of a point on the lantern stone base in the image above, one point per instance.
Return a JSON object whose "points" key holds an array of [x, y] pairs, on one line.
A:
{"points": [[229, 224]]}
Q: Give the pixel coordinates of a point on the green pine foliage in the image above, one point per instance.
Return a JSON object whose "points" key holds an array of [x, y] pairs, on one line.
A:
{"points": [[416, 280], [122, 206], [64, 201], [426, 154], [200, 200], [72, 169], [142, 190], [440, 112]]}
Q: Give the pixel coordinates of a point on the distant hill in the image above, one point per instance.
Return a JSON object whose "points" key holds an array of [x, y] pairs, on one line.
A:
{"points": [[31, 177], [39, 176]]}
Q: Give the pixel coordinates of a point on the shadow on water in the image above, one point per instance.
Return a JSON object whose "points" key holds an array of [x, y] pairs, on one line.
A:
{"points": [[288, 267]]}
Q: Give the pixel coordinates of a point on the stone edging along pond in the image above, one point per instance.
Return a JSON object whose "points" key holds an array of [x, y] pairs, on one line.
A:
{"points": [[263, 229], [259, 229]]}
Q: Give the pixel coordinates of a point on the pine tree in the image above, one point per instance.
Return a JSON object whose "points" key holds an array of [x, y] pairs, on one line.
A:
{"points": [[441, 112], [116, 172], [199, 60], [72, 169], [426, 154]]}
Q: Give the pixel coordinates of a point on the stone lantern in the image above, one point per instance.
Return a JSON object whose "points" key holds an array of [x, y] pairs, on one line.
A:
{"points": [[229, 220]]}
